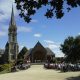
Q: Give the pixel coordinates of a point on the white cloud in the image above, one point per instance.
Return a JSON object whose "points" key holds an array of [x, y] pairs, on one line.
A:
{"points": [[51, 44], [5, 9], [78, 33], [37, 35], [55, 47], [58, 53], [4, 29], [20, 28], [2, 33], [24, 29], [20, 47], [49, 41]]}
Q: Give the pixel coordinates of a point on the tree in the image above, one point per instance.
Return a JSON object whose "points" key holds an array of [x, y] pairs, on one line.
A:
{"points": [[67, 45], [76, 48], [54, 7], [22, 53], [71, 49]]}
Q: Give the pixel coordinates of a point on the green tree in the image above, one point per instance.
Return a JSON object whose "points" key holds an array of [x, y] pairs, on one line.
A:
{"points": [[54, 7], [67, 45], [76, 49], [71, 49], [22, 53]]}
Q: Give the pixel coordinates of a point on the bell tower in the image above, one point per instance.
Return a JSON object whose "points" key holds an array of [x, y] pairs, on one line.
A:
{"points": [[12, 39], [12, 31]]}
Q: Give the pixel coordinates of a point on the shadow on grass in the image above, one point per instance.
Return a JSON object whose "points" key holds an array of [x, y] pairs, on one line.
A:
{"points": [[73, 78]]}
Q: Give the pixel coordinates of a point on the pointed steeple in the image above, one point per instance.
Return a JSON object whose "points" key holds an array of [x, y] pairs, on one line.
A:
{"points": [[12, 21], [38, 45]]}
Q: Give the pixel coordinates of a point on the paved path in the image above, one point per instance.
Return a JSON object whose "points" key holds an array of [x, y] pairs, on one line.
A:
{"points": [[37, 72]]}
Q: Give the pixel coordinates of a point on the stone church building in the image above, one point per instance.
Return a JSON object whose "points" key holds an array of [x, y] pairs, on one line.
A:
{"points": [[39, 54], [11, 48]]}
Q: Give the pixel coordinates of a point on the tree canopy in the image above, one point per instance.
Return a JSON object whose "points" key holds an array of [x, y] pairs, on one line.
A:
{"points": [[71, 49], [55, 8]]}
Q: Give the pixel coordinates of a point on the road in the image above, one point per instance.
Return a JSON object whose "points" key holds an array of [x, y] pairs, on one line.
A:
{"points": [[37, 72]]}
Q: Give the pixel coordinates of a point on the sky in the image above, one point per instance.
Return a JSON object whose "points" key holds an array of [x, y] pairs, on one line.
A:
{"points": [[50, 32]]}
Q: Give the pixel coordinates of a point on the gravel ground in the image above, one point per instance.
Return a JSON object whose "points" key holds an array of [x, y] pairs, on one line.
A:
{"points": [[37, 72]]}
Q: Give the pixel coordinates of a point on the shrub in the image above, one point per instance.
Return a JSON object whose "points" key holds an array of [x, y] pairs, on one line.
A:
{"points": [[5, 67]]}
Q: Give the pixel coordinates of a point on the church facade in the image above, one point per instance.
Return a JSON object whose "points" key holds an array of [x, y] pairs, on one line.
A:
{"points": [[11, 48], [39, 54]]}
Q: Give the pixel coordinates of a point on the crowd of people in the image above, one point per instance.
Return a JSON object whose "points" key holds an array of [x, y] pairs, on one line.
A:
{"points": [[20, 66], [63, 66]]}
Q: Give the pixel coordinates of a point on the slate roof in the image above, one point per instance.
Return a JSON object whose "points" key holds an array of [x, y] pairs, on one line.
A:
{"points": [[48, 50], [29, 51]]}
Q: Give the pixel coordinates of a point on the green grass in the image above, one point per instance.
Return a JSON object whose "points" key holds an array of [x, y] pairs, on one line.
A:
{"points": [[5, 71], [5, 68]]}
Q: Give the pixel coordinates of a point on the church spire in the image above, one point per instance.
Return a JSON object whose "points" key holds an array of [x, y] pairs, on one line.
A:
{"points": [[12, 21]]}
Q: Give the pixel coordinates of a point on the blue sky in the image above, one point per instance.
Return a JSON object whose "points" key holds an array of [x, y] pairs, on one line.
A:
{"points": [[50, 32]]}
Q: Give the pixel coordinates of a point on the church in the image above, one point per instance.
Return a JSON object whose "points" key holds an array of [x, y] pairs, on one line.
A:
{"points": [[39, 54], [11, 48]]}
